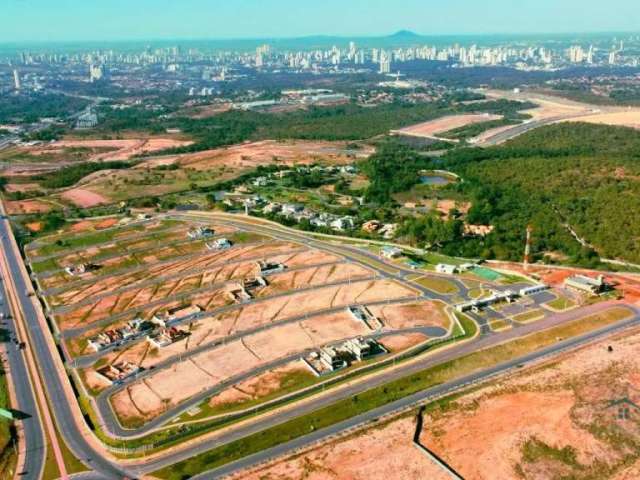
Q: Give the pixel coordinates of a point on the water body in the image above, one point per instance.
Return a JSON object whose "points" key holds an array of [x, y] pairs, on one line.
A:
{"points": [[434, 180]]}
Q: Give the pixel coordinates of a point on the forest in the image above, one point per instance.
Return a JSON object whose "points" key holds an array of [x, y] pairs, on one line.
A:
{"points": [[587, 176]]}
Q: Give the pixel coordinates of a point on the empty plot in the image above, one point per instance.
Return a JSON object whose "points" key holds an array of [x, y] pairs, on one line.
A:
{"points": [[444, 124], [409, 315]]}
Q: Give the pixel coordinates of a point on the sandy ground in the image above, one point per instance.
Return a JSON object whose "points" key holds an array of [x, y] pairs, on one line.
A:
{"points": [[382, 453], [625, 118], [20, 207], [84, 198], [563, 404], [250, 155], [21, 187], [258, 386], [445, 124], [560, 405], [122, 149], [412, 315], [399, 342], [227, 360]]}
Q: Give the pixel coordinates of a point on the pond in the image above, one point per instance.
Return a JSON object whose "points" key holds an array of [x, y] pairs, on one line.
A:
{"points": [[434, 180]]}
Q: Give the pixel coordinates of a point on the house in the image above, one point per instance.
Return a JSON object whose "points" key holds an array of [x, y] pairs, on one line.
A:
{"points": [[200, 232], [342, 223], [272, 208], [238, 294], [584, 284], [371, 226], [260, 182], [478, 230], [254, 283], [175, 315], [289, 209], [119, 372], [81, 268], [447, 269], [388, 230], [362, 349], [332, 358], [269, 268], [219, 244], [390, 252], [166, 336]]}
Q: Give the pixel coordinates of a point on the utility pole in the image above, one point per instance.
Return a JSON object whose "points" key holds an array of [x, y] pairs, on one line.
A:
{"points": [[527, 248]]}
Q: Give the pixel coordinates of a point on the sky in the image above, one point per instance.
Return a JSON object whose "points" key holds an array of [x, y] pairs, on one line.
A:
{"points": [[70, 20]]}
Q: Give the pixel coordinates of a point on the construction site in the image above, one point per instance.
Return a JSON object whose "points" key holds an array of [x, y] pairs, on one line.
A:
{"points": [[184, 318]]}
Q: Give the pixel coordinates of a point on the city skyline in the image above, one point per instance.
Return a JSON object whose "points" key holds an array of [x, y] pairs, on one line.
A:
{"points": [[67, 21]]}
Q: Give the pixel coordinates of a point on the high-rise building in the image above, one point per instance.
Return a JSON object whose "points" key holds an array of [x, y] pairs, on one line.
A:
{"points": [[612, 57], [16, 80], [259, 60], [95, 73], [385, 62]]}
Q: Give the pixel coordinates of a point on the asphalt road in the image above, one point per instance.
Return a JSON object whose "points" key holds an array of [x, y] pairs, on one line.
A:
{"points": [[413, 400], [83, 450], [56, 394], [32, 427], [400, 372]]}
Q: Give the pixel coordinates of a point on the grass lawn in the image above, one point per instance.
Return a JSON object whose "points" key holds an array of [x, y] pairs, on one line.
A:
{"points": [[529, 316], [499, 325], [8, 456], [384, 394], [561, 303], [438, 285]]}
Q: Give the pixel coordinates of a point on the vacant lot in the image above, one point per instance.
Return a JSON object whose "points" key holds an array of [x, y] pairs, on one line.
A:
{"points": [[250, 155], [383, 452], [115, 149], [444, 124], [559, 420]]}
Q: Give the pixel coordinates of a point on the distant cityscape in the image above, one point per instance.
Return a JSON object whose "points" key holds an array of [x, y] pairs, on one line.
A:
{"points": [[180, 66]]}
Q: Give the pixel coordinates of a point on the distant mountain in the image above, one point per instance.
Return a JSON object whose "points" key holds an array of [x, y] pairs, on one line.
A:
{"points": [[405, 35]]}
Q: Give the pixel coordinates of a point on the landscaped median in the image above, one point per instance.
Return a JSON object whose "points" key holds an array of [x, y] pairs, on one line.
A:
{"points": [[390, 392]]}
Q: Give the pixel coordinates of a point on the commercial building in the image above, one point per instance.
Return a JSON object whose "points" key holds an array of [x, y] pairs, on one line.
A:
{"points": [[533, 290], [584, 284], [446, 269]]}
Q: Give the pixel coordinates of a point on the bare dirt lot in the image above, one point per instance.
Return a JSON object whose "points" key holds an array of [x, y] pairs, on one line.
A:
{"points": [[444, 124], [624, 118], [84, 198], [119, 149], [151, 396], [251, 155], [559, 420], [410, 315], [21, 207], [385, 452]]}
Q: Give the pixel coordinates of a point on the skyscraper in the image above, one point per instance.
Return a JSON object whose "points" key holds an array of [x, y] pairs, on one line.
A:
{"points": [[16, 80]]}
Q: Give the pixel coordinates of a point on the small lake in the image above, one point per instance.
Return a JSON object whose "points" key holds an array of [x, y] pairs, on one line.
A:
{"points": [[434, 180]]}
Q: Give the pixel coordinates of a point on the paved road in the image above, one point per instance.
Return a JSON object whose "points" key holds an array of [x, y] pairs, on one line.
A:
{"points": [[385, 377], [56, 393], [82, 448], [32, 427], [113, 426], [518, 130], [413, 400]]}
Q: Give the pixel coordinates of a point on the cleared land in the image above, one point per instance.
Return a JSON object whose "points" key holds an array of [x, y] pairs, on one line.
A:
{"points": [[384, 452], [434, 127], [116, 149], [489, 432]]}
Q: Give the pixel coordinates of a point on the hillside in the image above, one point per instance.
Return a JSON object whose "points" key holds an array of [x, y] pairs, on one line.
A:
{"points": [[585, 175]]}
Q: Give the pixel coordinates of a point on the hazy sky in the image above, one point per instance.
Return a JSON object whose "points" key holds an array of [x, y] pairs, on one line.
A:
{"points": [[52, 20]]}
